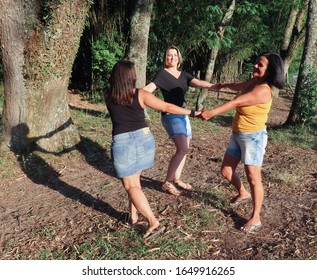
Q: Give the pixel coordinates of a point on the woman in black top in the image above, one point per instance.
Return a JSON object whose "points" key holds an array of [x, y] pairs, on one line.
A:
{"points": [[133, 146], [174, 84]]}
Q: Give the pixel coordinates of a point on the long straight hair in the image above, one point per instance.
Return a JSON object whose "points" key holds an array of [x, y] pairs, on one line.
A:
{"points": [[122, 83]]}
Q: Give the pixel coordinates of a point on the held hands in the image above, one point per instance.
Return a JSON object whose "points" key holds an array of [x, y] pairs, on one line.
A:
{"points": [[206, 114], [195, 114], [203, 115], [217, 86]]}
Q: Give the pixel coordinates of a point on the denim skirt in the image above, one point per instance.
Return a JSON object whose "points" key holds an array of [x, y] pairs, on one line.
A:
{"points": [[132, 152]]}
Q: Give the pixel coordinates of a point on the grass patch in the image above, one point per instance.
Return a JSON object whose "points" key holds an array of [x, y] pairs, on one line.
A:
{"points": [[285, 175], [300, 136]]}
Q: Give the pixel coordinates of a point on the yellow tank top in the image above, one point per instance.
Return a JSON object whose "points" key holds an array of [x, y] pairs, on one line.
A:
{"points": [[252, 118]]}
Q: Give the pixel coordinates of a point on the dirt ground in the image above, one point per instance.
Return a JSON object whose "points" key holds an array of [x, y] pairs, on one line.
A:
{"points": [[58, 201]]}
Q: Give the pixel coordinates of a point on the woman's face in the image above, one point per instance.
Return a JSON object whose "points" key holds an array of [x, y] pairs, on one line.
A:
{"points": [[260, 67], [171, 58]]}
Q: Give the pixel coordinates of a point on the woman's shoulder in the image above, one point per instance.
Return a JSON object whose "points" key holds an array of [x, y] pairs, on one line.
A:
{"points": [[265, 85], [160, 73], [187, 75]]}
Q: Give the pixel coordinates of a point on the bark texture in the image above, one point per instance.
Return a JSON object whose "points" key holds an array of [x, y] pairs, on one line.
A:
{"points": [[294, 35], [309, 61], [140, 27], [39, 40]]}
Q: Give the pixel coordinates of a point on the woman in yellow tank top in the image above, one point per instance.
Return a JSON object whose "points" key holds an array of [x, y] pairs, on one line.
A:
{"points": [[249, 137]]}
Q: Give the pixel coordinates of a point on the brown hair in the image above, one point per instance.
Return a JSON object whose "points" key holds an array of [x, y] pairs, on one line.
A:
{"points": [[172, 47], [122, 83]]}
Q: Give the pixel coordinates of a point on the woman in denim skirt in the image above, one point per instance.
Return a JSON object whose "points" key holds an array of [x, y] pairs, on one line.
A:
{"points": [[249, 137], [133, 146], [174, 84]]}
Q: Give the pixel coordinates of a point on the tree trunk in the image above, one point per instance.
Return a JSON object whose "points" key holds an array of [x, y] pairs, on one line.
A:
{"points": [[214, 53], [294, 35], [38, 54], [140, 27], [309, 61]]}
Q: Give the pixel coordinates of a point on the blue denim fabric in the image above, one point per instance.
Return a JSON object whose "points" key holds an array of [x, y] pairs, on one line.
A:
{"points": [[176, 125], [249, 147], [132, 152]]}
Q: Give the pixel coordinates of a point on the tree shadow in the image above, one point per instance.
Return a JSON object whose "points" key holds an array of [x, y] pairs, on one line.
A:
{"points": [[40, 172], [96, 156], [94, 113], [217, 203], [150, 183], [202, 197]]}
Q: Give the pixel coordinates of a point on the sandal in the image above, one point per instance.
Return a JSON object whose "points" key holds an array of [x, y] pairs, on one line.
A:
{"points": [[170, 188], [237, 201], [252, 228], [182, 184]]}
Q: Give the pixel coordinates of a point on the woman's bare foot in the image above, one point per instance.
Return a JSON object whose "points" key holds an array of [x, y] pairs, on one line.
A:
{"points": [[153, 225]]}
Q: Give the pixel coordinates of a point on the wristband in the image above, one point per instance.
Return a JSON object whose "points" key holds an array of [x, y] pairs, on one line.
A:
{"points": [[192, 113]]}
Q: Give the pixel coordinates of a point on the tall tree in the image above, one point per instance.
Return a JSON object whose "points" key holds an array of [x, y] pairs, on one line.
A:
{"points": [[294, 35], [305, 97], [139, 35], [39, 40], [214, 52]]}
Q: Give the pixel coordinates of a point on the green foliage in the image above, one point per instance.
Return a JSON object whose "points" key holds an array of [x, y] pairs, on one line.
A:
{"points": [[307, 105], [294, 67], [105, 54], [214, 11], [190, 25], [251, 9]]}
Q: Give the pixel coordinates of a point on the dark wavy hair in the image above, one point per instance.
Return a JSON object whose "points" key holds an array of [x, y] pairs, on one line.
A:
{"points": [[275, 71], [122, 83]]}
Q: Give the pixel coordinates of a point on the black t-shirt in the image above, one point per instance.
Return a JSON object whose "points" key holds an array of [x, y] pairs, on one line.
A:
{"points": [[173, 89], [126, 118]]}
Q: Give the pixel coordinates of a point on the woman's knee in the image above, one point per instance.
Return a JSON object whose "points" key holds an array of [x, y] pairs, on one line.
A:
{"points": [[254, 176], [225, 172], [182, 151]]}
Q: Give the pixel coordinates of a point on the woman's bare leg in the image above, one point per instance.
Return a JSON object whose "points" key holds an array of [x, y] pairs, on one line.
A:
{"points": [[178, 160], [254, 178], [228, 170], [138, 199]]}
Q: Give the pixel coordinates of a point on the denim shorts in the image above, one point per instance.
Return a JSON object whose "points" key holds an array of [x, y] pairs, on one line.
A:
{"points": [[249, 147], [176, 125], [132, 152]]}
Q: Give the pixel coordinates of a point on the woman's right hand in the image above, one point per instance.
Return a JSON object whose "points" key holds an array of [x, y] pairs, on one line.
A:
{"points": [[206, 114]]}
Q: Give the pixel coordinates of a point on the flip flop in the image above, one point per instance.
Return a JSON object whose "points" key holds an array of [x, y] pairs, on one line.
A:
{"points": [[240, 201], [152, 233], [253, 228]]}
